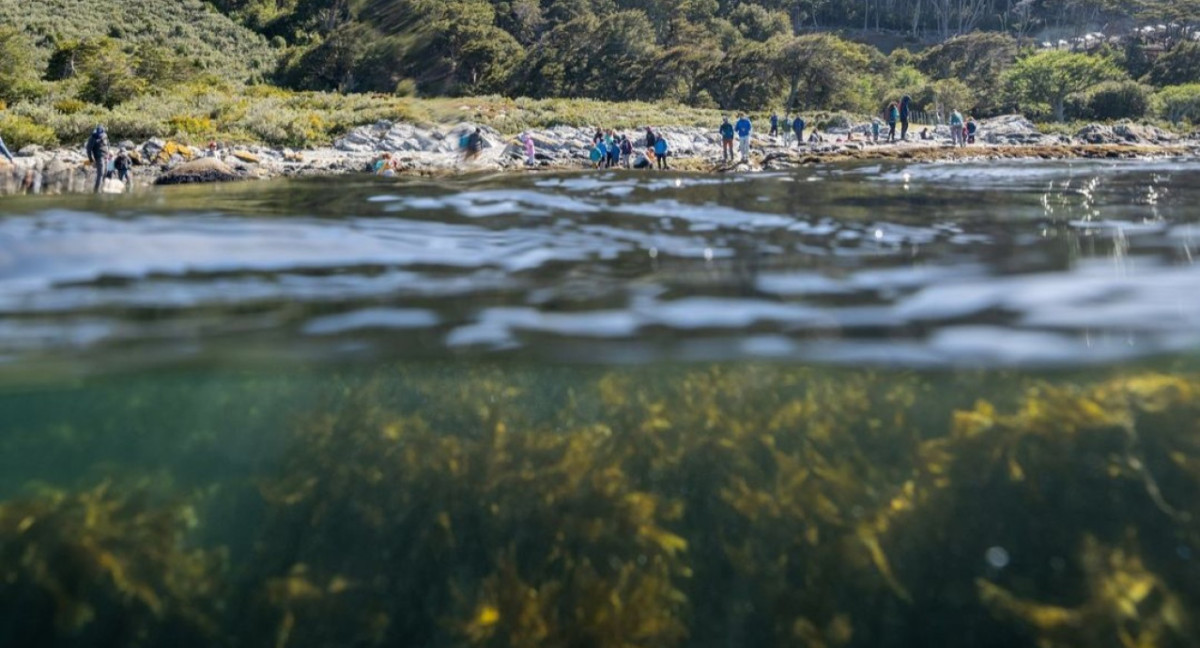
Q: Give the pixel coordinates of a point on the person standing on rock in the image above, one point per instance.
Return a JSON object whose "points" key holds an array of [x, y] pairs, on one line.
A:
{"points": [[743, 129], [798, 129], [97, 152], [726, 141], [957, 136], [875, 130], [474, 144], [122, 164], [661, 152], [905, 113], [774, 125], [626, 150], [651, 138], [530, 152], [893, 114]]}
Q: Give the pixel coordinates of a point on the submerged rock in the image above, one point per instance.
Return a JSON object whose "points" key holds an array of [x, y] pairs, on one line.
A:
{"points": [[198, 171]]}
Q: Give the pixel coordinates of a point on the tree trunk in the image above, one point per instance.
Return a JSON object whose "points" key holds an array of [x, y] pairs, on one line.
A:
{"points": [[1059, 109]]}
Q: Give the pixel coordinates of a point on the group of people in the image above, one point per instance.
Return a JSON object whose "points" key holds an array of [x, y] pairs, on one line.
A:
{"points": [[105, 163], [611, 150]]}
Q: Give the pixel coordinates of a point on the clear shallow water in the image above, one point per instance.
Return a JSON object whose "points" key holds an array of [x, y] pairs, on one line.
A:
{"points": [[898, 405]]}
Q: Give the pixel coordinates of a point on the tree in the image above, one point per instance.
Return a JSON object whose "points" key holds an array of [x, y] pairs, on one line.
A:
{"points": [[1179, 66], [819, 70], [1041, 82], [17, 73], [978, 60], [109, 75]]}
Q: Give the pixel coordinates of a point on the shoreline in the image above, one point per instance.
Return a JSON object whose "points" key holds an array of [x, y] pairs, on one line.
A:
{"points": [[418, 152]]}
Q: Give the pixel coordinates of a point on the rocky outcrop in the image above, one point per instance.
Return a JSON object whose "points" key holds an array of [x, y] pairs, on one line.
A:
{"points": [[1124, 133], [198, 171]]}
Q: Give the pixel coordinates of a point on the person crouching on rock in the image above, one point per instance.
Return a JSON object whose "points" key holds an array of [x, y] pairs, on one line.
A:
{"points": [[972, 128], [121, 165], [97, 152]]}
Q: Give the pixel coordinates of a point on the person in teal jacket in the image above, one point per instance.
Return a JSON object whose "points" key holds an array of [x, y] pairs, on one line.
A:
{"points": [[662, 152]]}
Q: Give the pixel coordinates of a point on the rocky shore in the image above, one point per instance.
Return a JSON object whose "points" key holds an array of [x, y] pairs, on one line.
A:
{"points": [[434, 151]]}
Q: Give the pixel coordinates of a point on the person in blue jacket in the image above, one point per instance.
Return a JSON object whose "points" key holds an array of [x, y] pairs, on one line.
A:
{"points": [[726, 141], [661, 152], [798, 129], [5, 153], [774, 125], [743, 130]]}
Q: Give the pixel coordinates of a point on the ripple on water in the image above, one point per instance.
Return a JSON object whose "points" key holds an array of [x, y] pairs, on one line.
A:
{"points": [[997, 264]]}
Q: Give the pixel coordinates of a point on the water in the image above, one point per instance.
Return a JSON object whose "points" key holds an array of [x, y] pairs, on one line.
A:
{"points": [[897, 405]]}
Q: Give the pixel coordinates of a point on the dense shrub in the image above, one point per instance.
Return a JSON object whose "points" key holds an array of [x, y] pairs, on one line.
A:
{"points": [[1180, 103], [1110, 101], [20, 131]]}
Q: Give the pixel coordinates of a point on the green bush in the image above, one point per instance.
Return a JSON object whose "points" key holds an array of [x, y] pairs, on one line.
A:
{"points": [[1111, 100], [20, 131], [1180, 103]]}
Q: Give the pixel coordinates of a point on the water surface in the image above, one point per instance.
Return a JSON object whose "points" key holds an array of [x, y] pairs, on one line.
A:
{"points": [[872, 405]]}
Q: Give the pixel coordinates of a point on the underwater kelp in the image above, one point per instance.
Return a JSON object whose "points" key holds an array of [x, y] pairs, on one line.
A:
{"points": [[483, 535], [1069, 522], [105, 567], [732, 505]]}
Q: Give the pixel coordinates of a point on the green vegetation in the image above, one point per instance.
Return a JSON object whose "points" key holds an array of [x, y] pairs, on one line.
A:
{"points": [[300, 72], [500, 506]]}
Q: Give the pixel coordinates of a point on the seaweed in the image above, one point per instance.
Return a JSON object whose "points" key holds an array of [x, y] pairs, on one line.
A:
{"points": [[106, 567], [752, 505]]}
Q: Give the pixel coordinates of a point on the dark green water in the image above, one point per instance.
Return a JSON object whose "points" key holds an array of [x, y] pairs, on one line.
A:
{"points": [[925, 405]]}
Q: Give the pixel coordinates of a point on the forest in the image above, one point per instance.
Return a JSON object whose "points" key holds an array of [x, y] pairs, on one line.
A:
{"points": [[242, 67]]}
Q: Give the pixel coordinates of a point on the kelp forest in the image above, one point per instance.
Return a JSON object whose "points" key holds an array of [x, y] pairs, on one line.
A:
{"points": [[497, 506]]}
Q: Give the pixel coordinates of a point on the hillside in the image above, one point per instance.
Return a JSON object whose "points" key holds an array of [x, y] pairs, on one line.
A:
{"points": [[192, 29]]}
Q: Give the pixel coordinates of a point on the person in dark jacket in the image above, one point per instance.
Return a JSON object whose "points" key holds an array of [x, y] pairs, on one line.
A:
{"points": [[626, 150], [726, 131], [798, 129], [651, 138], [474, 144], [905, 113], [97, 152], [893, 115], [774, 125], [121, 164]]}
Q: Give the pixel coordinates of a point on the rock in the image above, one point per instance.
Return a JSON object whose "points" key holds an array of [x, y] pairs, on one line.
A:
{"points": [[30, 150], [1097, 134], [1007, 129], [247, 157], [198, 171], [128, 145]]}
